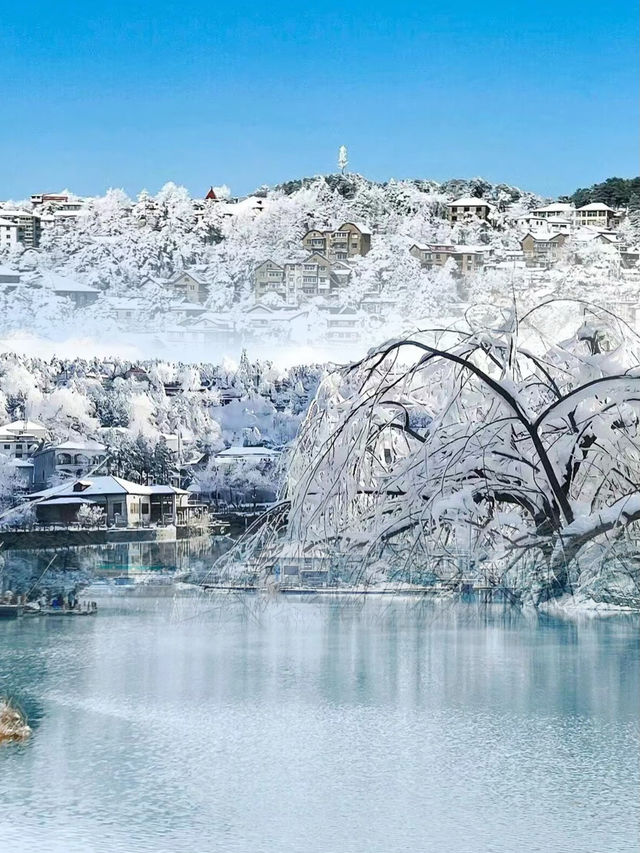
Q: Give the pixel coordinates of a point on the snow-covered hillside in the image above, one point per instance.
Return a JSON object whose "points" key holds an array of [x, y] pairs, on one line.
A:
{"points": [[112, 265]]}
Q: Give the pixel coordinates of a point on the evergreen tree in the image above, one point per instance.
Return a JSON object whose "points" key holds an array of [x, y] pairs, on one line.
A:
{"points": [[162, 463]]}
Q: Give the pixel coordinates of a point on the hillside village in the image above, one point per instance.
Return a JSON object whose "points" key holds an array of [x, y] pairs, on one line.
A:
{"points": [[195, 435], [329, 259]]}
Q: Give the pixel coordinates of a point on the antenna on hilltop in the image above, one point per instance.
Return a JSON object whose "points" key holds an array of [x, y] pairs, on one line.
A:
{"points": [[342, 158]]}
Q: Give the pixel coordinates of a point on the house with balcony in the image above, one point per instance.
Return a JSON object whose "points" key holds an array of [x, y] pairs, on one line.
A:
{"points": [[27, 224], [298, 281], [468, 259], [73, 458], [542, 248], [190, 286], [556, 210], [467, 208], [348, 241], [310, 278], [597, 215], [269, 277]]}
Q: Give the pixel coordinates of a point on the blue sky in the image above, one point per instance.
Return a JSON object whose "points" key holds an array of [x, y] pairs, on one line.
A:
{"points": [[133, 94]]}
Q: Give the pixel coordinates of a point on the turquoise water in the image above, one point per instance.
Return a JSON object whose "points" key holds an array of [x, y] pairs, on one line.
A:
{"points": [[375, 726]]}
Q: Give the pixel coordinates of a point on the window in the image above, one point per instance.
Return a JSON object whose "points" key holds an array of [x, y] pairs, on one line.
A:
{"points": [[145, 509], [117, 509], [7, 447]]}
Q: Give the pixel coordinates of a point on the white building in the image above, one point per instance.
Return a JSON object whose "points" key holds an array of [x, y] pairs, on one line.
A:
{"points": [[21, 439], [597, 215], [556, 210], [8, 233], [236, 455]]}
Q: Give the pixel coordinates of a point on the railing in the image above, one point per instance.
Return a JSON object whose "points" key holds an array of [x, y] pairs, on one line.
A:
{"points": [[33, 528]]}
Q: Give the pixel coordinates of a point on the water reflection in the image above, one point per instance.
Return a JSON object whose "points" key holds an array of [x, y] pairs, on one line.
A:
{"points": [[65, 568], [388, 725]]}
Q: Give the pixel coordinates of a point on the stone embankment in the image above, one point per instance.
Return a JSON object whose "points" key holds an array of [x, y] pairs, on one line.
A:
{"points": [[66, 537]]}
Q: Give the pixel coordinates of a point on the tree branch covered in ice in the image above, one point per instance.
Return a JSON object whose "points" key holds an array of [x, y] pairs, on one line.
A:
{"points": [[510, 455]]}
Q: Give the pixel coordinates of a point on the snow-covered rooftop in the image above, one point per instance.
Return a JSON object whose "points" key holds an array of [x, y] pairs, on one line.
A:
{"points": [[470, 201], [361, 228], [78, 444], [237, 452], [24, 427], [63, 284], [101, 486], [555, 207], [596, 205]]}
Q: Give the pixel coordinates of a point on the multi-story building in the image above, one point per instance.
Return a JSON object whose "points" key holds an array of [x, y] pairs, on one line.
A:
{"points": [[466, 208], [296, 281], [21, 439], [54, 199], [542, 248], [310, 278], [557, 224], [557, 210], [190, 286], [8, 233], [269, 277], [27, 224], [74, 458], [468, 259], [597, 215], [347, 241]]}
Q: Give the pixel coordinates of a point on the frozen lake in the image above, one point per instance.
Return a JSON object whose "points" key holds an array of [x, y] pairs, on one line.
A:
{"points": [[377, 726]]}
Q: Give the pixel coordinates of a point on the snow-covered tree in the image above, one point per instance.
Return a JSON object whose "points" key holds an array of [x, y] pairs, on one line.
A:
{"points": [[509, 454]]}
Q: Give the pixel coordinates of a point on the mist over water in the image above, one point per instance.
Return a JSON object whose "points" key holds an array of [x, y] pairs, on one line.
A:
{"points": [[235, 724]]}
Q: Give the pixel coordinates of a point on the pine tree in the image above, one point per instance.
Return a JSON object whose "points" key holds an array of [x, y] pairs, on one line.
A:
{"points": [[162, 463]]}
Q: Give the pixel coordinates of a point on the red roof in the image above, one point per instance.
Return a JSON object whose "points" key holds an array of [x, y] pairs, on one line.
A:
{"points": [[210, 195]]}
